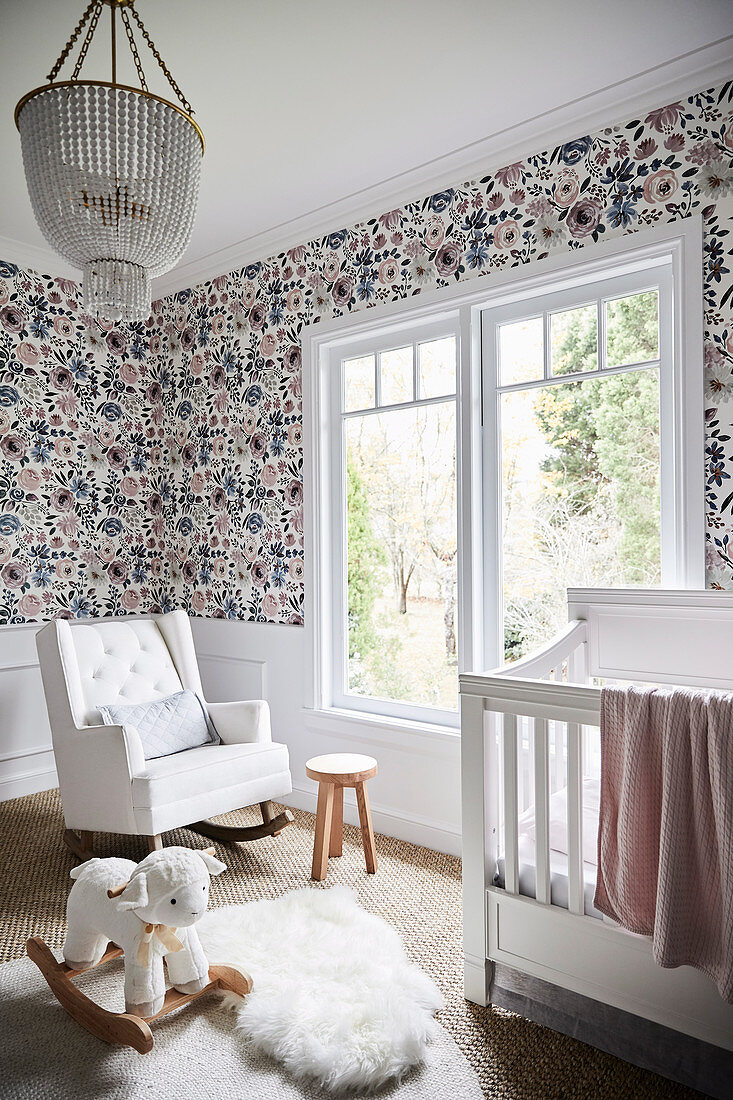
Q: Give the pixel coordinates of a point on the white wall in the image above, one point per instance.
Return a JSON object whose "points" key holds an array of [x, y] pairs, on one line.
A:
{"points": [[26, 757], [415, 795]]}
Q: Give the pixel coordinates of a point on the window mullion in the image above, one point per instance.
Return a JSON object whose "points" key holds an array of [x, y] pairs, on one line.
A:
{"points": [[601, 334], [578, 376], [420, 403], [340, 591], [546, 360]]}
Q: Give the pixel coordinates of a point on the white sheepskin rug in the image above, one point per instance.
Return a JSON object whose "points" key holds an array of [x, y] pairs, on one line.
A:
{"points": [[335, 997]]}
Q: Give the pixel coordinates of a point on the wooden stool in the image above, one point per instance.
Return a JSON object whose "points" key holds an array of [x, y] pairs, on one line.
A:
{"points": [[334, 772]]}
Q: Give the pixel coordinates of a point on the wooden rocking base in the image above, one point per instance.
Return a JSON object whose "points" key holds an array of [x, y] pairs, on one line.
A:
{"points": [[80, 843], [121, 1027], [271, 826]]}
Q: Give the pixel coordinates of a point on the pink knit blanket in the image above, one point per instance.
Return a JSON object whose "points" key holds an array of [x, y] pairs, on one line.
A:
{"points": [[665, 833]]}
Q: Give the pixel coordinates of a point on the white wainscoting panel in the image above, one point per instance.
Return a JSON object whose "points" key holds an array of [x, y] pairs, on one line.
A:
{"points": [[416, 794], [26, 755], [227, 679]]}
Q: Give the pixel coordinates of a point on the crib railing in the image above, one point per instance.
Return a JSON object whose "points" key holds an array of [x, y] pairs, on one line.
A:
{"points": [[562, 659], [535, 721]]}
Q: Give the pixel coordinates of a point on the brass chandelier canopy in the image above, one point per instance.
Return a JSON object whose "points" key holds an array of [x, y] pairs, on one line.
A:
{"points": [[112, 170]]}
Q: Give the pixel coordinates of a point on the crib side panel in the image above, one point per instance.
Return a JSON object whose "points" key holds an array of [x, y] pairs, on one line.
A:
{"points": [[598, 960], [657, 637]]}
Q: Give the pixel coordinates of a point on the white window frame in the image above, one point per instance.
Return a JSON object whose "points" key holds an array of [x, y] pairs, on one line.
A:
{"points": [[677, 247], [393, 338], [655, 275]]}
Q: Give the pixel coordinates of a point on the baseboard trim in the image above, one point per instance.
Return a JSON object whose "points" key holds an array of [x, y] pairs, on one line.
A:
{"points": [[438, 835], [28, 782]]}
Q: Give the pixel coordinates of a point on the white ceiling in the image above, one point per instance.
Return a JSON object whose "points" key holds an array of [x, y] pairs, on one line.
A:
{"points": [[308, 104]]}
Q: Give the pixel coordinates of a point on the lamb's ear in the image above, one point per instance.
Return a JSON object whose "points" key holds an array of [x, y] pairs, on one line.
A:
{"points": [[214, 865], [81, 867], [134, 894]]}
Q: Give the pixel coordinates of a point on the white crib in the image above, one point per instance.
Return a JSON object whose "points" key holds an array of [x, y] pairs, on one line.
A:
{"points": [[530, 770]]}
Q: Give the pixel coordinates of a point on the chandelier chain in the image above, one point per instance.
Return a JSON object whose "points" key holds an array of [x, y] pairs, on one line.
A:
{"points": [[184, 102], [87, 39], [133, 49], [70, 44]]}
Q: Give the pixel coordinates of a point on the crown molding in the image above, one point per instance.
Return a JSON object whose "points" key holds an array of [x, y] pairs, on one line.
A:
{"points": [[614, 103], [682, 76], [39, 258]]}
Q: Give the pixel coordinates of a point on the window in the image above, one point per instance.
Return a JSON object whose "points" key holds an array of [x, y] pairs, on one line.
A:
{"points": [[573, 383], [471, 454], [395, 567]]}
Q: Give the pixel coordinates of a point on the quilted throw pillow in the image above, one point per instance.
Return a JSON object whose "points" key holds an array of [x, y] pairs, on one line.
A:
{"points": [[165, 726]]}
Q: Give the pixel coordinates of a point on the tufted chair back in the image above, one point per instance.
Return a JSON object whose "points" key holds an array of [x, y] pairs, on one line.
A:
{"points": [[117, 663], [131, 661]]}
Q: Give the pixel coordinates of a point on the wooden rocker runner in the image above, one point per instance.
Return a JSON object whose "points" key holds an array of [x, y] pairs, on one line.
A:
{"points": [[121, 1027], [228, 834], [80, 842]]}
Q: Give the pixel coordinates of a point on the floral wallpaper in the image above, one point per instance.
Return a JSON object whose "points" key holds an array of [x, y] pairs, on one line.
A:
{"points": [[82, 472], [158, 464]]}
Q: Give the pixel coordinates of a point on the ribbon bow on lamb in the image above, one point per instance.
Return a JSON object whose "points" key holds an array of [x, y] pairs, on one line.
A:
{"points": [[165, 934]]}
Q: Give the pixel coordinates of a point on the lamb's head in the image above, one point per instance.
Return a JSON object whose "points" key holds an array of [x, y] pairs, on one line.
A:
{"points": [[170, 887]]}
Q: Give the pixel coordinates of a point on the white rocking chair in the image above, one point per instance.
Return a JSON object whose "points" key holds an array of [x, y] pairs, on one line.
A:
{"points": [[106, 783]]}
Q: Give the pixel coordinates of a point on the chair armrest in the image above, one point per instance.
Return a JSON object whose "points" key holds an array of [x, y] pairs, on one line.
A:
{"points": [[246, 722], [119, 745], [96, 766]]}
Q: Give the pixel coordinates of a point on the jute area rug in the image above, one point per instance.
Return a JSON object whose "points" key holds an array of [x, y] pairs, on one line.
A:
{"points": [[417, 890]]}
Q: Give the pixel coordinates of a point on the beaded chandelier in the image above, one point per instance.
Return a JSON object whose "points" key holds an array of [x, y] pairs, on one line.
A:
{"points": [[112, 171]]}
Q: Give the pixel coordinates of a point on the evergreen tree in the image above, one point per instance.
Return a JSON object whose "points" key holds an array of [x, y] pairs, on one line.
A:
{"points": [[604, 433], [366, 556]]}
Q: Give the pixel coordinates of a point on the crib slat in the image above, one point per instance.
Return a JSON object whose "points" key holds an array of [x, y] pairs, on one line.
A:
{"points": [[575, 819], [556, 760], [522, 766], [511, 807], [577, 665], [542, 810]]}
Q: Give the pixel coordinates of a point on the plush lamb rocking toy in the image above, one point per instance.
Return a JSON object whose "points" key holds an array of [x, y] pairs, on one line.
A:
{"points": [[148, 910]]}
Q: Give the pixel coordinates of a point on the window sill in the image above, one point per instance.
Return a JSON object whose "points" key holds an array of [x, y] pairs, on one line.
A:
{"points": [[381, 729]]}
